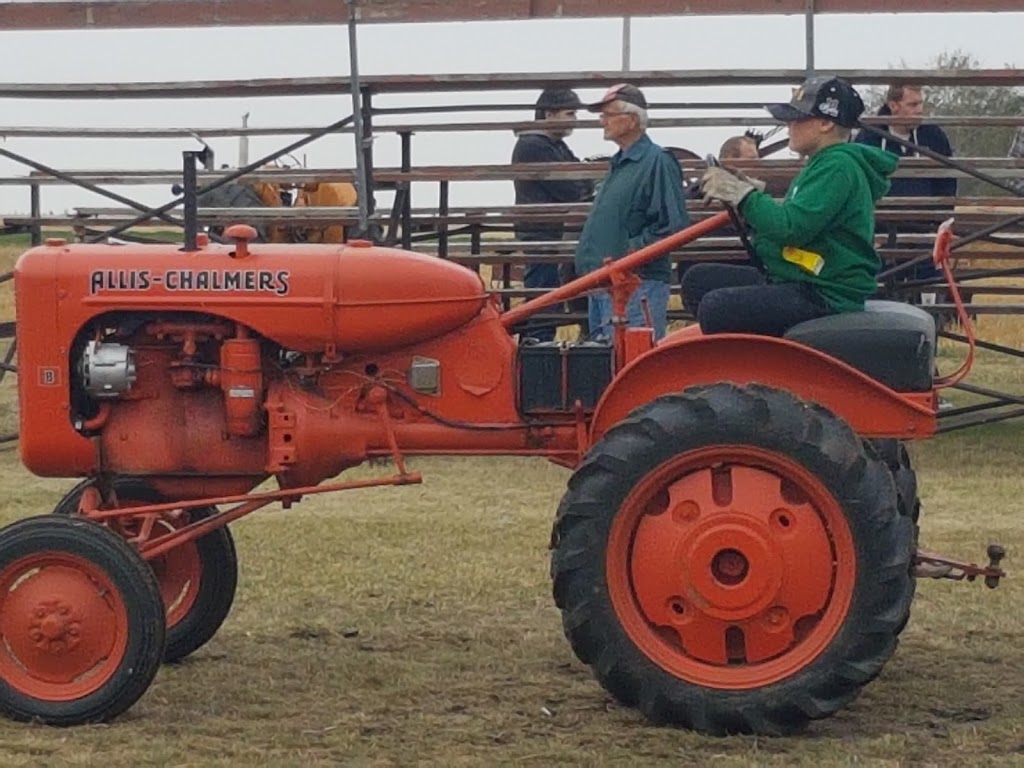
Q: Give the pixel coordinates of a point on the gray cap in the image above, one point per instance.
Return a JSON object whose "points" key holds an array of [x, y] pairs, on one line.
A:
{"points": [[830, 98]]}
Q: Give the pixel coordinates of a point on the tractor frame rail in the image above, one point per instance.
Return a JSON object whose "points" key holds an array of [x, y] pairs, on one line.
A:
{"points": [[152, 548]]}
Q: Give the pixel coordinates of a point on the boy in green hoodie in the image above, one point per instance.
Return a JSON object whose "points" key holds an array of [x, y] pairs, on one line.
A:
{"points": [[816, 247]]}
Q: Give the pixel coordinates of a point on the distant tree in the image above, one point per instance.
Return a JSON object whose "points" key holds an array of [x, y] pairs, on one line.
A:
{"points": [[966, 101]]}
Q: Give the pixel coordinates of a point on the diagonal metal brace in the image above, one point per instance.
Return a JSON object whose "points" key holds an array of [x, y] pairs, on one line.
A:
{"points": [[71, 178]]}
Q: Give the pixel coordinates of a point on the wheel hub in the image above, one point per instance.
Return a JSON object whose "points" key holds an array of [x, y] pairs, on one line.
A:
{"points": [[730, 567], [730, 564], [59, 630], [55, 629]]}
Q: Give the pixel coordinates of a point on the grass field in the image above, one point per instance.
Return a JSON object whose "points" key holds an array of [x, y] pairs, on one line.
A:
{"points": [[414, 626]]}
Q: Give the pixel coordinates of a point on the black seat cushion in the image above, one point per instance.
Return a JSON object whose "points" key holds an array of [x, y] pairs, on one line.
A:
{"points": [[889, 341]]}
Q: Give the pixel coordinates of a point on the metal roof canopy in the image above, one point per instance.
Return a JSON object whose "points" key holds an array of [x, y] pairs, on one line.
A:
{"points": [[121, 14], [378, 84], [127, 14]]}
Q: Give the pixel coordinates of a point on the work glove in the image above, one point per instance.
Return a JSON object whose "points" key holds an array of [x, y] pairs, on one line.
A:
{"points": [[719, 184], [758, 184]]}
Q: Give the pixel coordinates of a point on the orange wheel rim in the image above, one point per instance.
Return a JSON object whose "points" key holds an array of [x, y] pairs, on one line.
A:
{"points": [[63, 626], [731, 567], [178, 573]]}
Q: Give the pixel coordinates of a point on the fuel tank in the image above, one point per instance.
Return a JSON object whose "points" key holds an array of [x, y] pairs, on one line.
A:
{"points": [[349, 298]]}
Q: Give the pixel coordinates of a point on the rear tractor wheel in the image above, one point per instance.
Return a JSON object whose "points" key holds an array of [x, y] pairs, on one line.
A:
{"points": [[896, 456], [82, 626], [197, 579], [730, 560]]}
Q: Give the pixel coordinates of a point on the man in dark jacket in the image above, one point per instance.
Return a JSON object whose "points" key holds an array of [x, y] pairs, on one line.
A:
{"points": [[546, 144], [906, 101]]}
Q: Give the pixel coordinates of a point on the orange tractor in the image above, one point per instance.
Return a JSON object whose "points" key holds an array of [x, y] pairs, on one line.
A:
{"points": [[735, 550], [242, 194]]}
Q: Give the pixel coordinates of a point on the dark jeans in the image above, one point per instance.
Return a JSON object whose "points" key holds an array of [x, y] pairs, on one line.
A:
{"points": [[566, 274], [548, 275], [541, 276], [544, 275], [731, 299]]}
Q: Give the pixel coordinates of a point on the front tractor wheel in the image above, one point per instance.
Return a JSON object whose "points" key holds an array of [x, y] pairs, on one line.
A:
{"points": [[81, 622], [730, 560], [197, 579]]}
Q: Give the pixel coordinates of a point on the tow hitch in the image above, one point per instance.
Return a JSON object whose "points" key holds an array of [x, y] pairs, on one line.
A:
{"points": [[932, 565]]}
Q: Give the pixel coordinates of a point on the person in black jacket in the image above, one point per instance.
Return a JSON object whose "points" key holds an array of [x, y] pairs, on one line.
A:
{"points": [[546, 144], [906, 101]]}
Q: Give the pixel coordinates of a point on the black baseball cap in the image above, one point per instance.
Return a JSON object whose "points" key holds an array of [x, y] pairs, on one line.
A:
{"points": [[830, 98], [558, 98], [621, 92]]}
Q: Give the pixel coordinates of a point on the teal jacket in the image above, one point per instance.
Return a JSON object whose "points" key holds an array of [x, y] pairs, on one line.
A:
{"points": [[639, 202], [823, 231]]}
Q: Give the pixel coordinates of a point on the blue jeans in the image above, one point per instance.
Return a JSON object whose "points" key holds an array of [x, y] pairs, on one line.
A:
{"points": [[656, 293]]}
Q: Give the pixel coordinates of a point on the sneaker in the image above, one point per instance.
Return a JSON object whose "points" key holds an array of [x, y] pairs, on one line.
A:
{"points": [[945, 405]]}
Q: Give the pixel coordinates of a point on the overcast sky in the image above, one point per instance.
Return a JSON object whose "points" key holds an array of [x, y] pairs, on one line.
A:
{"points": [[742, 42]]}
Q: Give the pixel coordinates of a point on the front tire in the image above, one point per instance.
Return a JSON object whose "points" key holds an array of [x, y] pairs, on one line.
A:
{"points": [[197, 579], [730, 560], [82, 626]]}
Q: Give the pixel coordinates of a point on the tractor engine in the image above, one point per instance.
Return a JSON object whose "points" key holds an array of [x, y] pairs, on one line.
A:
{"points": [[207, 372], [167, 393]]}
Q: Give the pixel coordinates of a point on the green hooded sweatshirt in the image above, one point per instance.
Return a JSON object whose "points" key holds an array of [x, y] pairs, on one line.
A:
{"points": [[823, 231]]}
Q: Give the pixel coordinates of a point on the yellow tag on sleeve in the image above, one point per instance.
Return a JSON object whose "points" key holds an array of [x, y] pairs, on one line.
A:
{"points": [[807, 260]]}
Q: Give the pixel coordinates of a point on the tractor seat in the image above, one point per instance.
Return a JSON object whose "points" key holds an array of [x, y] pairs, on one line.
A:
{"points": [[891, 342]]}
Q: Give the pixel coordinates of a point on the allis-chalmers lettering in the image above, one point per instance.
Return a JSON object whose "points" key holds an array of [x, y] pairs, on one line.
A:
{"points": [[249, 280]]}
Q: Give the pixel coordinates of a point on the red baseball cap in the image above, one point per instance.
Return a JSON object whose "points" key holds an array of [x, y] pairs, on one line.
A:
{"points": [[621, 92]]}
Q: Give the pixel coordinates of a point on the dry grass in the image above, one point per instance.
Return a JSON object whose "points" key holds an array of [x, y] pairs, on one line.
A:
{"points": [[414, 626], [8, 255]]}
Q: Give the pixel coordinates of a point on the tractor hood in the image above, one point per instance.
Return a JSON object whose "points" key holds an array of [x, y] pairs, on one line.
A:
{"points": [[349, 298]]}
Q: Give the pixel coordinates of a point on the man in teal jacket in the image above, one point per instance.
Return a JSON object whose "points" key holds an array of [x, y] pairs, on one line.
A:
{"points": [[817, 245], [640, 201]]}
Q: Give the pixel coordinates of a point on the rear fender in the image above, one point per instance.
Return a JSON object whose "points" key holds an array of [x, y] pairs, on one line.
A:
{"points": [[686, 360]]}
